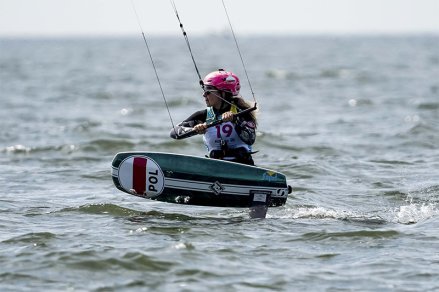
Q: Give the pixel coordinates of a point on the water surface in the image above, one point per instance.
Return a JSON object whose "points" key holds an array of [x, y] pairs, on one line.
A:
{"points": [[352, 122]]}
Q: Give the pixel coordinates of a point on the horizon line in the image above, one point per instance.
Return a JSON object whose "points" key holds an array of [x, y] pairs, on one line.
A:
{"points": [[217, 34]]}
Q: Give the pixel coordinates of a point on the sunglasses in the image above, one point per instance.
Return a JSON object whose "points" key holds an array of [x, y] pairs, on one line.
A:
{"points": [[208, 92]]}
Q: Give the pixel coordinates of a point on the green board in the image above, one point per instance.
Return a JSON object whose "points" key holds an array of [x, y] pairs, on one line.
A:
{"points": [[192, 180]]}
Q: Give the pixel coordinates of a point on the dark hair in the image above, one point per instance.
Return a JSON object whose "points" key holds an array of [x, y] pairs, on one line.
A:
{"points": [[243, 105], [240, 103]]}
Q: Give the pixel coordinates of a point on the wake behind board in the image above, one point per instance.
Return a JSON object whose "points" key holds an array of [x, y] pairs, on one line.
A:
{"points": [[192, 180]]}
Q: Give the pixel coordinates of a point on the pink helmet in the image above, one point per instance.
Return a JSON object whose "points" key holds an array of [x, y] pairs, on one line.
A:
{"points": [[223, 80]]}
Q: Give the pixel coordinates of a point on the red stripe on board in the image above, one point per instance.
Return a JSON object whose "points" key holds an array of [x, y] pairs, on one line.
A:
{"points": [[139, 174]]}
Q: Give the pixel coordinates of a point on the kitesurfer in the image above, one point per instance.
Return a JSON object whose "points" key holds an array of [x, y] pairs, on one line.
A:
{"points": [[231, 140]]}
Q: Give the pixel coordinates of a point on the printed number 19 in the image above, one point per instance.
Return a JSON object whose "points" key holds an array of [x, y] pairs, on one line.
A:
{"points": [[226, 129]]}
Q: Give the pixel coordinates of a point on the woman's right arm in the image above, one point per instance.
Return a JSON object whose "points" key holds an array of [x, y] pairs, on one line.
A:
{"points": [[196, 118]]}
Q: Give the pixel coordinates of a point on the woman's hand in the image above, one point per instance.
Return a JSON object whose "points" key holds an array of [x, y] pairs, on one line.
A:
{"points": [[200, 128], [227, 117]]}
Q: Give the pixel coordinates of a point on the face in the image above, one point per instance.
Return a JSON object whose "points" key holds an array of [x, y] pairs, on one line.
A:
{"points": [[212, 98]]}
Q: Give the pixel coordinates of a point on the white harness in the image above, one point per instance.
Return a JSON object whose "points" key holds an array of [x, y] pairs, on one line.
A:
{"points": [[215, 136]]}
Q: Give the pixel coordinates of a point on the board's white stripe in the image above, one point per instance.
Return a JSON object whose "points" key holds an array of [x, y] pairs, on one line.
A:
{"points": [[205, 186]]}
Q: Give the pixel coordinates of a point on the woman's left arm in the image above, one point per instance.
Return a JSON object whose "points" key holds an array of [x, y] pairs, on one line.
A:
{"points": [[246, 130]]}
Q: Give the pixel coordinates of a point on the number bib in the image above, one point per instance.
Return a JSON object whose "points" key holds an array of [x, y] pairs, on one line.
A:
{"points": [[222, 132]]}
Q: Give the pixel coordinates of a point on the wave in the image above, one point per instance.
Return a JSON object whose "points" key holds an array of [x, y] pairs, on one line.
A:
{"points": [[108, 209], [337, 73], [97, 145], [85, 126], [16, 149], [172, 222], [359, 234], [312, 212], [415, 213], [36, 238], [405, 214], [422, 128], [428, 106], [391, 162], [131, 214], [395, 194], [104, 145], [429, 194], [282, 141], [421, 134], [282, 74], [325, 73], [416, 206], [182, 102], [134, 261], [23, 149]]}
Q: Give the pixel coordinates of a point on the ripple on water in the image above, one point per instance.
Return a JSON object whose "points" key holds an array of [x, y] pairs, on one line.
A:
{"points": [[92, 146], [36, 238], [134, 261], [97, 209], [428, 106], [357, 234]]}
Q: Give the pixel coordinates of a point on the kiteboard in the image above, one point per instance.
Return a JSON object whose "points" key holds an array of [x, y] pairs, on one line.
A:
{"points": [[192, 180]]}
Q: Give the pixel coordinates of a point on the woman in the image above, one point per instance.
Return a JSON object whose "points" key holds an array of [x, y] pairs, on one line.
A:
{"points": [[232, 139]]}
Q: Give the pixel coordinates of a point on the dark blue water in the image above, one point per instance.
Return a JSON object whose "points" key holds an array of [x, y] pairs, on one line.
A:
{"points": [[352, 121]]}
